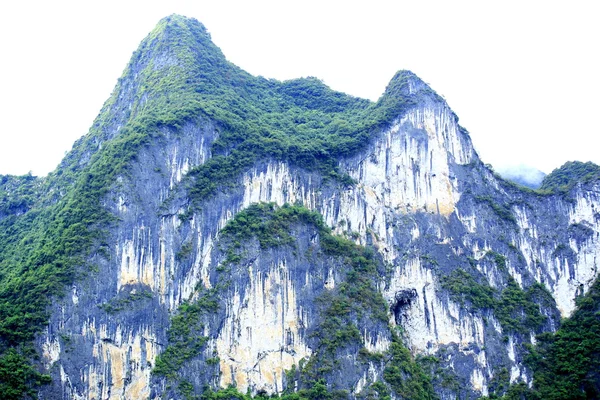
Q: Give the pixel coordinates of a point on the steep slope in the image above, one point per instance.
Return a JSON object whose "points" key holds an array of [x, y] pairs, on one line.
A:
{"points": [[566, 364], [217, 229]]}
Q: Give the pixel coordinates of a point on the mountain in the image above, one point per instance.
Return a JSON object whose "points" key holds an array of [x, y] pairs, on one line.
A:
{"points": [[570, 174], [219, 235]]}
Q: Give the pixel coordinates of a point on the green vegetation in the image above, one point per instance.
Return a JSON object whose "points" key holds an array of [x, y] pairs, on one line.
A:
{"points": [[185, 336], [185, 250], [499, 259], [464, 288], [406, 377], [501, 210], [41, 251], [125, 303], [500, 382], [39, 256], [17, 194], [563, 179], [50, 227], [517, 391], [445, 376], [566, 364], [318, 391], [516, 310], [270, 224], [17, 376]]}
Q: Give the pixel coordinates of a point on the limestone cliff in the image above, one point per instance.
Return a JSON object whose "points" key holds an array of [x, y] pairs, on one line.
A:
{"points": [[466, 267]]}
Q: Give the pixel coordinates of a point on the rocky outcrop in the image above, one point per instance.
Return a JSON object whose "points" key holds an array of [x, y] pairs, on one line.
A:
{"points": [[421, 198]]}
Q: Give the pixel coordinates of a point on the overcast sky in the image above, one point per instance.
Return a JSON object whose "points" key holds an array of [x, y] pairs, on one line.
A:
{"points": [[523, 76]]}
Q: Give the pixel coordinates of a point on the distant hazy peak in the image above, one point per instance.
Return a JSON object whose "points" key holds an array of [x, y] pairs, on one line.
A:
{"points": [[522, 174]]}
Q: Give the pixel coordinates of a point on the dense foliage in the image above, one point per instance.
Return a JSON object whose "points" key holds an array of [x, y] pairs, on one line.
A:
{"points": [[270, 224], [17, 194], [465, 289], [269, 120], [186, 340], [17, 376], [564, 178], [318, 391], [406, 377], [516, 309], [566, 364]]}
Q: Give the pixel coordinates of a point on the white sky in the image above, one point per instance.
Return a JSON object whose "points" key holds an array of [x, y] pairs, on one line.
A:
{"points": [[523, 76]]}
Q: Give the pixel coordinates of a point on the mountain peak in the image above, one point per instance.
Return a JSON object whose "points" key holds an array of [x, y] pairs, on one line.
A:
{"points": [[180, 32], [176, 20], [405, 83], [145, 258]]}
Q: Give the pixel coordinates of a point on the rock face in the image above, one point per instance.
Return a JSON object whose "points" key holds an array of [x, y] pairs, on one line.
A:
{"points": [[420, 198]]}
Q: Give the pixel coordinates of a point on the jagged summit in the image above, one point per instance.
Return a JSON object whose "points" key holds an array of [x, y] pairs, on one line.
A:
{"points": [[185, 44], [178, 29], [405, 83], [178, 75], [194, 32], [401, 83]]}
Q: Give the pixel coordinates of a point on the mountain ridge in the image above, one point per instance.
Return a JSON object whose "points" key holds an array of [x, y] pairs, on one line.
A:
{"points": [[187, 145]]}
